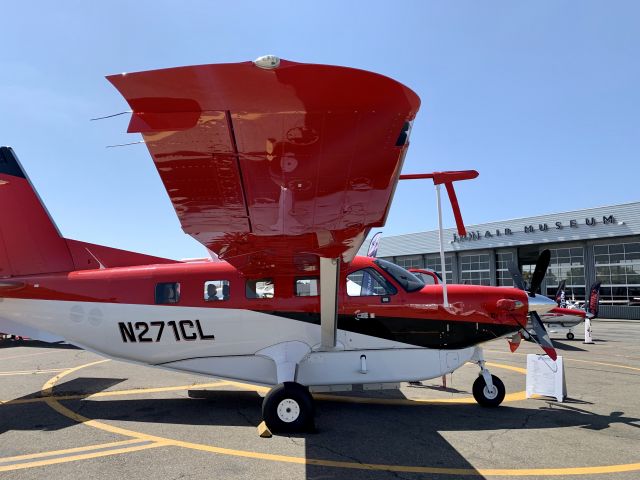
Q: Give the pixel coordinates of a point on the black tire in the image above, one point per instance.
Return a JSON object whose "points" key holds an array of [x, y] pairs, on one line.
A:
{"points": [[288, 408], [482, 395], [570, 336]]}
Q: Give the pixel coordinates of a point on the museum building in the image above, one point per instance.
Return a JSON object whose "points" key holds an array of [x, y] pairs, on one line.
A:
{"points": [[597, 244]]}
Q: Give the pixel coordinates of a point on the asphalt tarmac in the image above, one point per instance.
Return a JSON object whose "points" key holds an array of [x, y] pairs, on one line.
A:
{"points": [[67, 413]]}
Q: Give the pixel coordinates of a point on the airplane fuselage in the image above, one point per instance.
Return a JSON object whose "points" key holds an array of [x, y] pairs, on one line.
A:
{"points": [[117, 312]]}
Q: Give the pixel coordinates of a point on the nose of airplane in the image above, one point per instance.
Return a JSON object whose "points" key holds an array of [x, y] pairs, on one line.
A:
{"points": [[499, 304], [541, 304]]}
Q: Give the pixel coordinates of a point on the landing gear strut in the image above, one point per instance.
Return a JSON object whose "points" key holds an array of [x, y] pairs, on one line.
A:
{"points": [[289, 408], [488, 390]]}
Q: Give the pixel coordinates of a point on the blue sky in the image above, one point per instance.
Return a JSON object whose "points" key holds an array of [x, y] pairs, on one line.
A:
{"points": [[542, 98]]}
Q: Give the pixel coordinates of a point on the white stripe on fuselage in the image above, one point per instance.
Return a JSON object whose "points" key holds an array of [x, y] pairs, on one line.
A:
{"points": [[237, 331], [221, 341]]}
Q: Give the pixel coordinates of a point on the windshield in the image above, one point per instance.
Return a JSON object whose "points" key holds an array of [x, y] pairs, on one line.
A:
{"points": [[406, 279]]}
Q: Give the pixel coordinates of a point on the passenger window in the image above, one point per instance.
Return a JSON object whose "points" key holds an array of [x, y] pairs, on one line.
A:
{"points": [[167, 293], [307, 287], [367, 282], [262, 288], [215, 290]]}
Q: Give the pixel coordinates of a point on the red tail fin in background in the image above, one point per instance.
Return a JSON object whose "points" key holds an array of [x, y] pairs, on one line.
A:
{"points": [[29, 240]]}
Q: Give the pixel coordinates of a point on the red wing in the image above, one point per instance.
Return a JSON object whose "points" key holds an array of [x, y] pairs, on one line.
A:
{"points": [[273, 168]]}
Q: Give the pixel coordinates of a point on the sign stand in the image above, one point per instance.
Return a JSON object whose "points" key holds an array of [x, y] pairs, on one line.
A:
{"points": [[546, 377], [587, 331]]}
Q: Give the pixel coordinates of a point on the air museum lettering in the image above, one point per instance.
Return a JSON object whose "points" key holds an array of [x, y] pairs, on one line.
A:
{"points": [[541, 227]]}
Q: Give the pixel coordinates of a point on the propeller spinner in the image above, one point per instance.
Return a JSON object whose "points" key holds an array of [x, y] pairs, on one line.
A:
{"points": [[537, 303]]}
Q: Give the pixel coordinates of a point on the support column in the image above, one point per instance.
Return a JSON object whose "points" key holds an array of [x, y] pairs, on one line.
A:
{"points": [[329, 272]]}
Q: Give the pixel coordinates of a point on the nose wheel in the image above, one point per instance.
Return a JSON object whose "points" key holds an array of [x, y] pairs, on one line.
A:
{"points": [[488, 395], [288, 408], [488, 390]]}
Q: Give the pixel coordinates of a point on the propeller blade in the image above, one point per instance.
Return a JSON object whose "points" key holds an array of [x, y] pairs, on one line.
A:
{"points": [[518, 281], [542, 337], [541, 270]]}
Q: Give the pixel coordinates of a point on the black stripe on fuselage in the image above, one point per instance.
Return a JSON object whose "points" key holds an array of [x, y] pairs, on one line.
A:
{"points": [[420, 332]]}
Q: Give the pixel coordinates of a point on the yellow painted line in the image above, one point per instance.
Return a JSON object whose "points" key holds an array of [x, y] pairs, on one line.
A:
{"points": [[25, 355], [160, 441], [50, 453], [593, 362], [30, 372], [508, 367], [605, 364], [114, 393], [20, 401], [83, 456], [137, 391]]}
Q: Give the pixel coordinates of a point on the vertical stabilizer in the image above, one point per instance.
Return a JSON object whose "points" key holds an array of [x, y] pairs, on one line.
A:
{"points": [[29, 240]]}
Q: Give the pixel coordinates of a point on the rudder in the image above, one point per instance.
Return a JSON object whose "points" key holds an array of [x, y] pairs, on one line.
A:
{"points": [[30, 242]]}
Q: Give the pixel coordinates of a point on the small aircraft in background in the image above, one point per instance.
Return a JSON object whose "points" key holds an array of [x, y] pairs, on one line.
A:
{"points": [[569, 314], [563, 315], [281, 169]]}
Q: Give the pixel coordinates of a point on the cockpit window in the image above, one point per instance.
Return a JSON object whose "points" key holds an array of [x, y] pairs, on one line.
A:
{"points": [[368, 282], [405, 278]]}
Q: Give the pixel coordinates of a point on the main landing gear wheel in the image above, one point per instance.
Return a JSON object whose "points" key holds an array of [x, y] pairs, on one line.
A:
{"points": [[288, 408], [488, 397], [570, 336]]}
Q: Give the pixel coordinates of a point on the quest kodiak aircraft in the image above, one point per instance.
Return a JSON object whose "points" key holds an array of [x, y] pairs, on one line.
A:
{"points": [[281, 169]]}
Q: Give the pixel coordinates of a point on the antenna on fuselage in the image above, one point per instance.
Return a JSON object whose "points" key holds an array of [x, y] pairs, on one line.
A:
{"points": [[446, 178]]}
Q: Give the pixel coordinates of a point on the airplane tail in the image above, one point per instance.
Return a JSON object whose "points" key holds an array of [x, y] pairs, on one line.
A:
{"points": [[30, 242]]}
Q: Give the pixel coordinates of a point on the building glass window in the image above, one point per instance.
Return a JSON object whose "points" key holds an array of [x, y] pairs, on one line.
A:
{"points": [[475, 269], [566, 264], [414, 261], [432, 262], [618, 268], [503, 277]]}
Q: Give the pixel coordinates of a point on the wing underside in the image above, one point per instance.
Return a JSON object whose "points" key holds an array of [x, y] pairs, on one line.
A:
{"points": [[274, 168]]}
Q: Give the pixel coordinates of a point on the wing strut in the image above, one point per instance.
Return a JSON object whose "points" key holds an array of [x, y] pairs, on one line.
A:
{"points": [[446, 178], [329, 271]]}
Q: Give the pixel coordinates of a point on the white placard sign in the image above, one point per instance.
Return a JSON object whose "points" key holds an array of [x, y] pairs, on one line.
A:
{"points": [[546, 377]]}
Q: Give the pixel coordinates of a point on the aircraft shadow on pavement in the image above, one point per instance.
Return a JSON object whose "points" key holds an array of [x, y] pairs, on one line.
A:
{"points": [[566, 347], [8, 343], [362, 433]]}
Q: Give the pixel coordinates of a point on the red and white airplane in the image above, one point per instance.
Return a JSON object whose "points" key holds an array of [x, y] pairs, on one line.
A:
{"points": [[281, 169]]}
